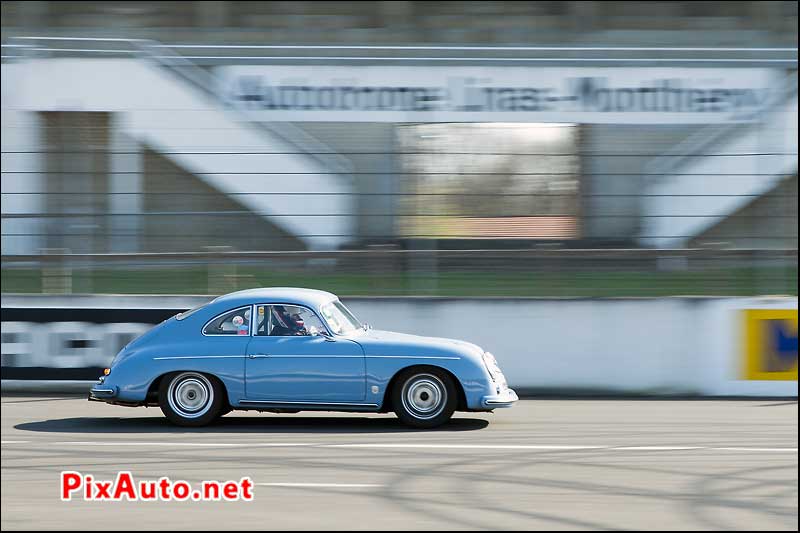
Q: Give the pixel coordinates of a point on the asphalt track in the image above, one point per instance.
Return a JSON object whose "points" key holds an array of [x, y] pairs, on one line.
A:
{"points": [[545, 464]]}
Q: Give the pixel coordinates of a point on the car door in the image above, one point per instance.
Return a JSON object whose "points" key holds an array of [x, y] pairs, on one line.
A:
{"points": [[288, 360]]}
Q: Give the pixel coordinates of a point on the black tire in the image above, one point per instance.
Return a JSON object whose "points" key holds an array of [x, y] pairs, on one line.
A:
{"points": [[424, 397], [191, 399]]}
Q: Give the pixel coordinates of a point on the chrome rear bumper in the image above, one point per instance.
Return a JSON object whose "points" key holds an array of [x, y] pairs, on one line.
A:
{"points": [[100, 393]]}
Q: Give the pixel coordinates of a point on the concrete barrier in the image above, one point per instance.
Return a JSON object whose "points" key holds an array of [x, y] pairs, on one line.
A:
{"points": [[651, 346], [658, 346]]}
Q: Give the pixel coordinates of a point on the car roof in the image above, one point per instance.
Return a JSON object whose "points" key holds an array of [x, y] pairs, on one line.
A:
{"points": [[284, 295]]}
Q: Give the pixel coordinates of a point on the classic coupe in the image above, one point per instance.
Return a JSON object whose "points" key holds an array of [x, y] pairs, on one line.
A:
{"points": [[286, 350]]}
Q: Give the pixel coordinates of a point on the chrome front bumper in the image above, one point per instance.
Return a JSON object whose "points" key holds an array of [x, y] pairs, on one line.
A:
{"points": [[505, 398]]}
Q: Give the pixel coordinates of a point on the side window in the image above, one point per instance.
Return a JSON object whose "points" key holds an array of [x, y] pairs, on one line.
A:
{"points": [[236, 322], [287, 321], [263, 320]]}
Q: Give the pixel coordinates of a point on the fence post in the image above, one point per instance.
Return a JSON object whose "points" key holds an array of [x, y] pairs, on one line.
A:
{"points": [[56, 272], [221, 273]]}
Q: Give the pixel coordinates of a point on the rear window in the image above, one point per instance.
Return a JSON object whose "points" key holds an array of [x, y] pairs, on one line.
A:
{"points": [[234, 322]]}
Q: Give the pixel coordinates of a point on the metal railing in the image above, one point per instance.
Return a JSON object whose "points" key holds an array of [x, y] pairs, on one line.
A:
{"points": [[594, 55], [379, 271], [525, 269]]}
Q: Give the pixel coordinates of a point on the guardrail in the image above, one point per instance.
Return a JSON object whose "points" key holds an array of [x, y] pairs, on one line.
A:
{"points": [[383, 251], [505, 55], [393, 271]]}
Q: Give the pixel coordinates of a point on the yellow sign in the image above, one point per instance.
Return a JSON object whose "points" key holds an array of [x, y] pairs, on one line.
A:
{"points": [[770, 344]]}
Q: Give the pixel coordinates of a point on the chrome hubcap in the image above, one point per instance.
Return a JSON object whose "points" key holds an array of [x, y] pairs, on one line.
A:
{"points": [[190, 395], [424, 396]]}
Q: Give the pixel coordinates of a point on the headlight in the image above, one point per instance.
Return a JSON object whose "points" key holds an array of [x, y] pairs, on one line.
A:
{"points": [[494, 370], [491, 365]]}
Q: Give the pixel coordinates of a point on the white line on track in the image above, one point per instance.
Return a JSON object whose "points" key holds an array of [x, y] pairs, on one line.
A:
{"points": [[421, 446], [756, 449], [189, 444], [659, 448], [470, 446], [556, 447], [322, 485]]}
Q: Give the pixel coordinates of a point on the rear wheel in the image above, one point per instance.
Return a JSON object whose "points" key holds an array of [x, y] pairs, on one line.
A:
{"points": [[424, 397], [190, 398]]}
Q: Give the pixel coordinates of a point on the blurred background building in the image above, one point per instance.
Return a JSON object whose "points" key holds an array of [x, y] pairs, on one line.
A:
{"points": [[499, 148]]}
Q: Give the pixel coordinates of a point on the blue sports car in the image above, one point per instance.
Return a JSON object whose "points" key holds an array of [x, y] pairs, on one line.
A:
{"points": [[286, 350]]}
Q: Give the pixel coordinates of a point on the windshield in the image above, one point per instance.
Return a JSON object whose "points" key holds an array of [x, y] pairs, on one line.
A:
{"points": [[339, 318]]}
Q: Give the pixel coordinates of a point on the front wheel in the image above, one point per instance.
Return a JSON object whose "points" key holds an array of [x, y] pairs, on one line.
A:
{"points": [[190, 398], [424, 398]]}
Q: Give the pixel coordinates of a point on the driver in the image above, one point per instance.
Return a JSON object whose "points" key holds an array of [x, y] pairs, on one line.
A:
{"points": [[287, 324]]}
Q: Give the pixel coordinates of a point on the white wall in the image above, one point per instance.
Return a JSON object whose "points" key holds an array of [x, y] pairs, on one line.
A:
{"points": [[22, 183], [197, 132], [665, 345], [654, 346], [749, 162]]}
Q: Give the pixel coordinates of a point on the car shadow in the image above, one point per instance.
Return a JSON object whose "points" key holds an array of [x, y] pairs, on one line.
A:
{"points": [[232, 424]]}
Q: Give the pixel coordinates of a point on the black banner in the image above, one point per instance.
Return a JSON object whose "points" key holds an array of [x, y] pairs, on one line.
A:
{"points": [[69, 344]]}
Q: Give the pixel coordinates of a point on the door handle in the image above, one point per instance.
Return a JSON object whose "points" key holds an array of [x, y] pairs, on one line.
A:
{"points": [[257, 355]]}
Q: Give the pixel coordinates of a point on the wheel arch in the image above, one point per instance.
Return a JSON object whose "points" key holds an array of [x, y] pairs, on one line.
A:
{"points": [[152, 390], [387, 406]]}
